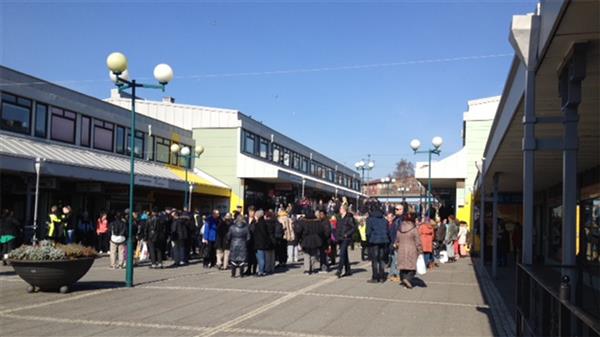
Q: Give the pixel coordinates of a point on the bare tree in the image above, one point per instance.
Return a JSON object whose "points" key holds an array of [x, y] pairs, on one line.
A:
{"points": [[404, 169]]}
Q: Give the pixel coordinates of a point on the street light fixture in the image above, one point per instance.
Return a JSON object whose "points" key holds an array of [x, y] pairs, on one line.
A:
{"points": [[117, 64], [437, 142], [186, 153], [365, 166]]}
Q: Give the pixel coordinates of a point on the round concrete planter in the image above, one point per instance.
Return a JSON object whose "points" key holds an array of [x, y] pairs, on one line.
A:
{"points": [[52, 275]]}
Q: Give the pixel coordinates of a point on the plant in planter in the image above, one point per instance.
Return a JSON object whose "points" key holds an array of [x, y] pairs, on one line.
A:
{"points": [[49, 266]]}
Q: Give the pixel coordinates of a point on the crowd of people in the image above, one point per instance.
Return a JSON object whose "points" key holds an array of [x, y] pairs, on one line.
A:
{"points": [[261, 242]]}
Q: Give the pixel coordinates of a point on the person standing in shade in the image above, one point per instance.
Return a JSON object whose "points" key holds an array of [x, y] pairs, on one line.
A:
{"points": [[117, 242], [238, 237], [252, 262], [451, 235], [221, 244], [102, 233], [345, 233], [378, 238], [408, 246], [56, 229], [155, 235]]}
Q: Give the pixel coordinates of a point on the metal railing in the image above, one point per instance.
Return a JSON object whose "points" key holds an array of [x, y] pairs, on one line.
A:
{"points": [[544, 311]]}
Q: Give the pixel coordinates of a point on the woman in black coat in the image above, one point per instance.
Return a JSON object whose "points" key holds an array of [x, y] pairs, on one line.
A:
{"points": [[238, 237], [310, 234]]}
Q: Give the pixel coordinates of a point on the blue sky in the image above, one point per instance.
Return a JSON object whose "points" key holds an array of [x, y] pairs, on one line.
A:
{"points": [[228, 54]]}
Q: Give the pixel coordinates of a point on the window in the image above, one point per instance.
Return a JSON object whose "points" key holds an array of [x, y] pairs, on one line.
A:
{"points": [[120, 140], [151, 148], [304, 167], [41, 120], [286, 157], [249, 142], [85, 131], [276, 153], [313, 171], [138, 146], [63, 125], [15, 114], [162, 150], [103, 135], [263, 148], [330, 174], [296, 161]]}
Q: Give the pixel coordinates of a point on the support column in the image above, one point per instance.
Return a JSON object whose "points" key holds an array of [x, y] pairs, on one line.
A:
{"points": [[29, 186], [482, 220], [570, 91], [495, 227], [528, 167]]}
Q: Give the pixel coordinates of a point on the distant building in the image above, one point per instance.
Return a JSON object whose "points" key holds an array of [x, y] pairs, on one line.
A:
{"points": [[264, 167]]}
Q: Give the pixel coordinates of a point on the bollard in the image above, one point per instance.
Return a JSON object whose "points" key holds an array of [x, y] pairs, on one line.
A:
{"points": [[565, 289]]}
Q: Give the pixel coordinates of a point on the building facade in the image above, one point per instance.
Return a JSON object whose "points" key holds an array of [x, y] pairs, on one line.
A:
{"points": [[263, 167], [82, 144]]}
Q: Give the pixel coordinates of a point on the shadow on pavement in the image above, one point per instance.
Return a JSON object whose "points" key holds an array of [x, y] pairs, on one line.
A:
{"points": [[8, 273], [95, 285]]}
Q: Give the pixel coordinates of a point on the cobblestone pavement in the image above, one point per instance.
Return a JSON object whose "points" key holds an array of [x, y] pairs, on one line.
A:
{"points": [[193, 301]]}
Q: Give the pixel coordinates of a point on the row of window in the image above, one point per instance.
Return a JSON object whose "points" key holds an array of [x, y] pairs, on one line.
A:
{"points": [[16, 115], [257, 146]]}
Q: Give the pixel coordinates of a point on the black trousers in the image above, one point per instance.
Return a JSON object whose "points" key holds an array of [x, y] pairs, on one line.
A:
{"points": [[281, 251], [407, 275], [377, 253], [156, 249], [210, 254], [103, 239], [344, 260]]}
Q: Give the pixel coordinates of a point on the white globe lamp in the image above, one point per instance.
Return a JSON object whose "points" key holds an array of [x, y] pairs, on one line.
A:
{"points": [[116, 62], [163, 73]]}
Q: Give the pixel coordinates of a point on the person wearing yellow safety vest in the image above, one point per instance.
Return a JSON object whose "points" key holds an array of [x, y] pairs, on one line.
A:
{"points": [[56, 231], [362, 231]]}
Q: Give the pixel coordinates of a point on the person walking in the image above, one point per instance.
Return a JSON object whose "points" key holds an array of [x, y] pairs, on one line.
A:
{"points": [[378, 239], [209, 238], [399, 217], [238, 237], [451, 235], [426, 232], [345, 233], [310, 234], [221, 244], [117, 241], [102, 233], [408, 246], [263, 241]]}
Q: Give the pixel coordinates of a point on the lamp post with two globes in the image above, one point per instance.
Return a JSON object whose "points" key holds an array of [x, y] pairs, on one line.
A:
{"points": [[187, 154], [364, 166], [415, 144], [117, 64]]}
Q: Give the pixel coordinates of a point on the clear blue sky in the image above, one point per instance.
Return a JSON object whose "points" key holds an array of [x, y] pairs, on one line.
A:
{"points": [[344, 113]]}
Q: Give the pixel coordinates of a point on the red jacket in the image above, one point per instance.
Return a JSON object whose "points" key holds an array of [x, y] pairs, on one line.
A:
{"points": [[426, 232]]}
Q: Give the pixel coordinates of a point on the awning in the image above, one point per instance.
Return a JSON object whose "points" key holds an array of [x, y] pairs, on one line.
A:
{"points": [[19, 153], [444, 173]]}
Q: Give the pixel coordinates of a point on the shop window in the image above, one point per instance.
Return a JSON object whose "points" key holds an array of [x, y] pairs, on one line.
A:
{"points": [[304, 167], [15, 114], [63, 125], [103, 135], [85, 131], [249, 143], [555, 234], [162, 150], [263, 150], [296, 161], [313, 170], [329, 175], [590, 233], [276, 153], [120, 143], [41, 120]]}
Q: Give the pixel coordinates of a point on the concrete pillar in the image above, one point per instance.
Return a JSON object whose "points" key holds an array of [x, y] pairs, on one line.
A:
{"points": [[528, 168], [495, 227], [571, 76], [29, 187], [482, 220]]}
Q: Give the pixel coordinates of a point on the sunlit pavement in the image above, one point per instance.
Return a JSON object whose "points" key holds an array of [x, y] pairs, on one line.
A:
{"points": [[451, 300]]}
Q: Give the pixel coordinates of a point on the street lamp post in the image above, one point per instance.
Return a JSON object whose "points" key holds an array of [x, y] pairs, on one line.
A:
{"points": [[186, 153], [117, 64], [415, 144], [37, 166], [364, 166]]}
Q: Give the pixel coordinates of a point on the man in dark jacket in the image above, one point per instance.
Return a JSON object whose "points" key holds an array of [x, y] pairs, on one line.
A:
{"points": [[264, 240], [252, 262], [310, 234], [179, 235], [155, 234], [378, 238], [325, 235], [345, 233]]}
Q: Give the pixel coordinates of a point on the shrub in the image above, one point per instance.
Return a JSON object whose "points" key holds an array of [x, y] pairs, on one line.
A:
{"points": [[48, 251]]}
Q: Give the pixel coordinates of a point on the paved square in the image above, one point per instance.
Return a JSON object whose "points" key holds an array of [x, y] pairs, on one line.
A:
{"points": [[193, 301]]}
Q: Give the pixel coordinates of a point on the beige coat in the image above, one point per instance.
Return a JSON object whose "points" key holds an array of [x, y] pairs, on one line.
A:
{"points": [[288, 228], [408, 245]]}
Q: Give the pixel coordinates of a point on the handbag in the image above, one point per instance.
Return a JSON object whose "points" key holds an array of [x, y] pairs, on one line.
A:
{"points": [[421, 267], [118, 239]]}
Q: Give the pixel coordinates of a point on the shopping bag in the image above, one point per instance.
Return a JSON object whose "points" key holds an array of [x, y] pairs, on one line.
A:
{"points": [[138, 250], [144, 254], [443, 256], [421, 267]]}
